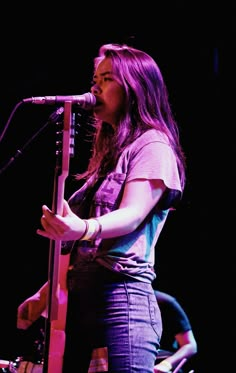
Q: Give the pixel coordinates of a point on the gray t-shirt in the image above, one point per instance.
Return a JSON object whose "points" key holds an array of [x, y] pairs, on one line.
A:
{"points": [[149, 157]]}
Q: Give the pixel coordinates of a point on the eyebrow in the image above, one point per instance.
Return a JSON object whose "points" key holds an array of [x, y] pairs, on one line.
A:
{"points": [[103, 74]]}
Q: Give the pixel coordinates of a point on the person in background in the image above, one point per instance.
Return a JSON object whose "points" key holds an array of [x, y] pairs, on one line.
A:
{"points": [[110, 226], [177, 341]]}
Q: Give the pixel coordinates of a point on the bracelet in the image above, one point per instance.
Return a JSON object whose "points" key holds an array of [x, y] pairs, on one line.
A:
{"points": [[85, 231], [93, 229], [99, 229]]}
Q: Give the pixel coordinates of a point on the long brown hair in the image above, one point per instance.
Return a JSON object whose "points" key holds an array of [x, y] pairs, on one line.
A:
{"points": [[147, 107]]}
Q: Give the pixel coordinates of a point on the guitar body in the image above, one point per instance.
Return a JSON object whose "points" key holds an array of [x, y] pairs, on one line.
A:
{"points": [[57, 337], [54, 343]]}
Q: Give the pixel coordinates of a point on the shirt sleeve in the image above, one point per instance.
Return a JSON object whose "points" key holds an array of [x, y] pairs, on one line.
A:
{"points": [[154, 159]]}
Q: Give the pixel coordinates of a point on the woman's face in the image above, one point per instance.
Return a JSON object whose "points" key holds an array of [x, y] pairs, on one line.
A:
{"points": [[109, 93]]}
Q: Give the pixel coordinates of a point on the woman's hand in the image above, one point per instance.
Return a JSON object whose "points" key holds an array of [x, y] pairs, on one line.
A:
{"points": [[68, 227], [163, 367]]}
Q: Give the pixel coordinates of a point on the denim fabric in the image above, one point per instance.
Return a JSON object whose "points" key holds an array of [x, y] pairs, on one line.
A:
{"points": [[108, 310]]}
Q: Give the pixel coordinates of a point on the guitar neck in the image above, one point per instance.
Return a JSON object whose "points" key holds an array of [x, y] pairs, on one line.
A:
{"points": [[58, 264]]}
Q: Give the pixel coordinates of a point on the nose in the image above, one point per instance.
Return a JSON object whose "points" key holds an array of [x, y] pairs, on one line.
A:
{"points": [[96, 89]]}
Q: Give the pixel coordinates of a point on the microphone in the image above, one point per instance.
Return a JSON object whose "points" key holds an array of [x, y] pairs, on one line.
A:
{"points": [[86, 101]]}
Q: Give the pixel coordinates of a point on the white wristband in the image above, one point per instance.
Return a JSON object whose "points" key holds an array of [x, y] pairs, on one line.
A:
{"points": [[93, 230]]}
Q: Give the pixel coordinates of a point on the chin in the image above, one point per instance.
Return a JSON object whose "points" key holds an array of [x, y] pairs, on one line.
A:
{"points": [[99, 113]]}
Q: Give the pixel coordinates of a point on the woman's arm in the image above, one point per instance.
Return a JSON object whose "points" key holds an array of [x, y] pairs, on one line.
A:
{"points": [[139, 198], [32, 308], [187, 348]]}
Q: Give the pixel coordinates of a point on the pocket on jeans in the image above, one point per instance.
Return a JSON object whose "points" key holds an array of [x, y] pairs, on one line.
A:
{"points": [[155, 316]]}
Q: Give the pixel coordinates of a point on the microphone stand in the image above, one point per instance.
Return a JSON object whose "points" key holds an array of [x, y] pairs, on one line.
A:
{"points": [[53, 118]]}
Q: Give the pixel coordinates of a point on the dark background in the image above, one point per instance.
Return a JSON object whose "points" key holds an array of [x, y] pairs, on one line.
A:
{"points": [[49, 50]]}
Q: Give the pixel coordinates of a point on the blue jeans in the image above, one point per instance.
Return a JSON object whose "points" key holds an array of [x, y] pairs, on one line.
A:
{"points": [[106, 310]]}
